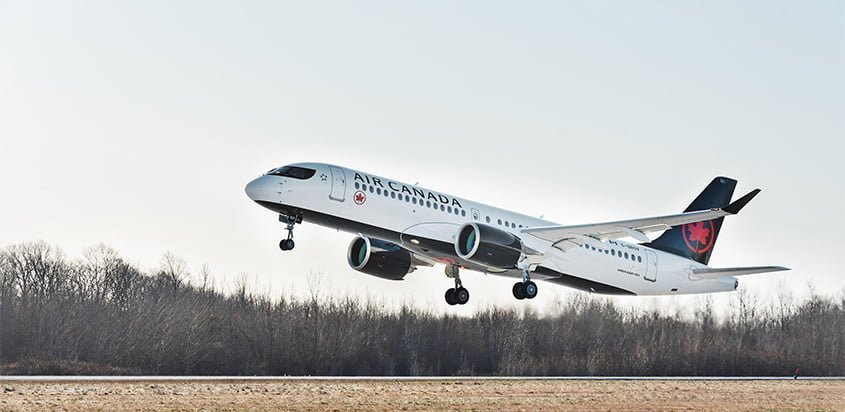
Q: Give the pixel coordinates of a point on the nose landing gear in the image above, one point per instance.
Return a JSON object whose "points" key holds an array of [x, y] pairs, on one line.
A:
{"points": [[287, 244], [457, 295], [290, 221]]}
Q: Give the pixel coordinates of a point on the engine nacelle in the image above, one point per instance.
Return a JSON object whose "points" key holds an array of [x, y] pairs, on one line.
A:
{"points": [[488, 246], [379, 258]]}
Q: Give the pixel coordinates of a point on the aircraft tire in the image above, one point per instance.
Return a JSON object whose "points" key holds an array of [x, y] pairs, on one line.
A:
{"points": [[461, 296], [519, 290], [530, 289], [450, 297]]}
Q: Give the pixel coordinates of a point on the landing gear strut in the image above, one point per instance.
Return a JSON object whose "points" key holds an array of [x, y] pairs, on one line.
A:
{"points": [[290, 221], [457, 295], [525, 289]]}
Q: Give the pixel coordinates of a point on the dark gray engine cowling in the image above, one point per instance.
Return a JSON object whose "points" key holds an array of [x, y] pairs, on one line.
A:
{"points": [[488, 246], [379, 258]]}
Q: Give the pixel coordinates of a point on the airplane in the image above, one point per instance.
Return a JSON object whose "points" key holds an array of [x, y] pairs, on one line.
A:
{"points": [[400, 227]]}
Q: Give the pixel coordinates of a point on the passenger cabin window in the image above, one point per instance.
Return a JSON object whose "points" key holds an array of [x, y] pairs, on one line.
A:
{"points": [[295, 172]]}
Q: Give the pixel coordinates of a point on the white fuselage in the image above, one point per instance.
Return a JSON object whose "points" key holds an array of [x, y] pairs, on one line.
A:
{"points": [[426, 222]]}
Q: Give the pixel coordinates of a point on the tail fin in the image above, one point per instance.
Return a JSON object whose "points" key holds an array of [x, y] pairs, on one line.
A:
{"points": [[695, 240]]}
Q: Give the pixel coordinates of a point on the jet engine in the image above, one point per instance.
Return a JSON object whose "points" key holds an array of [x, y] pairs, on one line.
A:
{"points": [[488, 246], [379, 258]]}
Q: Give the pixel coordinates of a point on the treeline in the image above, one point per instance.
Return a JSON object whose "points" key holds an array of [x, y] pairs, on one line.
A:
{"points": [[106, 314]]}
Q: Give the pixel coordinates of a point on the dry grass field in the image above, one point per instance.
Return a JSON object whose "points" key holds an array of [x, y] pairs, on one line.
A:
{"points": [[446, 394]]}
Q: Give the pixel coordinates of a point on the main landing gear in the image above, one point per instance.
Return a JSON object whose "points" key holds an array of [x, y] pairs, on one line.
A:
{"points": [[290, 221], [525, 289], [457, 295]]}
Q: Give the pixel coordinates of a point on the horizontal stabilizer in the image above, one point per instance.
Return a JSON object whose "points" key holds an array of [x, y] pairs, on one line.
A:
{"points": [[714, 273], [740, 203]]}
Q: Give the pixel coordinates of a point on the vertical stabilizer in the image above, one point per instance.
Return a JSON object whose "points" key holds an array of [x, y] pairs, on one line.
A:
{"points": [[696, 240]]}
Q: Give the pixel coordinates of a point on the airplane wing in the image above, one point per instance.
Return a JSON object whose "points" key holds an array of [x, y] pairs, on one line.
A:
{"points": [[566, 237], [714, 273]]}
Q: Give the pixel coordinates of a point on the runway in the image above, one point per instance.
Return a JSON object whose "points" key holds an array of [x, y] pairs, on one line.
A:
{"points": [[75, 378], [378, 393]]}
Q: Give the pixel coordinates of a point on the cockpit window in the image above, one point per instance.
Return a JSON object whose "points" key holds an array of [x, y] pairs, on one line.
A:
{"points": [[293, 171]]}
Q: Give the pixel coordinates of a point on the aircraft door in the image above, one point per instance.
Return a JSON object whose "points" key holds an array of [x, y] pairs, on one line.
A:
{"points": [[650, 266], [338, 184]]}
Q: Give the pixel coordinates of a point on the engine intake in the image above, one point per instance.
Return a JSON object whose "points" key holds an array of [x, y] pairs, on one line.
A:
{"points": [[379, 258], [488, 246]]}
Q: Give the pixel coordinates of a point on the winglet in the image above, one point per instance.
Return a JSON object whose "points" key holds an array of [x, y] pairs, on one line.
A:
{"points": [[737, 205]]}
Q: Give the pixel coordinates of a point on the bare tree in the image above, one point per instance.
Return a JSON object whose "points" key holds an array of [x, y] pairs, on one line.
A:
{"points": [[173, 270], [60, 316]]}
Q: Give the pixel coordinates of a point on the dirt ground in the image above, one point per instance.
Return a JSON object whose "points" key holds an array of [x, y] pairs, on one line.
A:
{"points": [[380, 395]]}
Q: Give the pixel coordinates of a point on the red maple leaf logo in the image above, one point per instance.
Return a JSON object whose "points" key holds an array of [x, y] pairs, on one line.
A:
{"points": [[698, 233], [698, 236], [359, 198]]}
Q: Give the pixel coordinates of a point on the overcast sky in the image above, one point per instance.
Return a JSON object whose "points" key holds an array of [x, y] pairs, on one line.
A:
{"points": [[137, 124]]}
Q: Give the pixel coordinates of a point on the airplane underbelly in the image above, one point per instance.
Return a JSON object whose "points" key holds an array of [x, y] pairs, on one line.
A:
{"points": [[604, 270]]}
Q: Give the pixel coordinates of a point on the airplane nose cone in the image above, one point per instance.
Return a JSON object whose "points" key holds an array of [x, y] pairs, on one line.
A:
{"points": [[253, 189]]}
